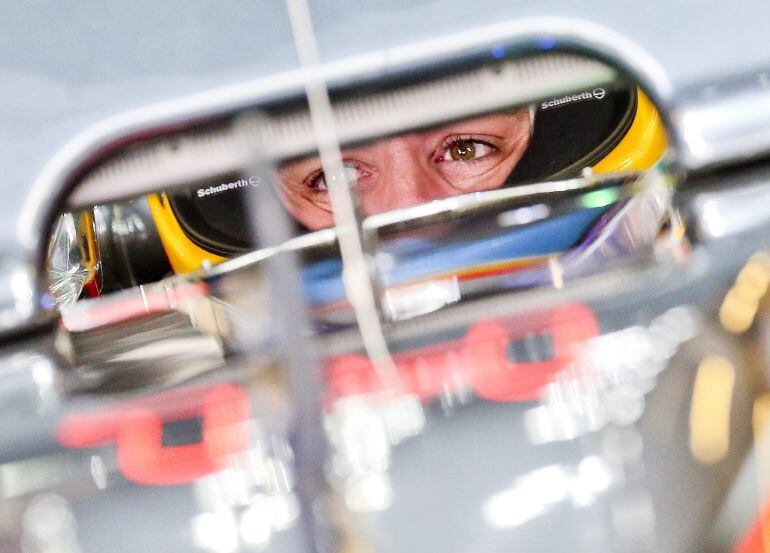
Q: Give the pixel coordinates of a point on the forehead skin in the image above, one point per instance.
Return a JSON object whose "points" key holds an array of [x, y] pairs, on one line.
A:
{"points": [[393, 167]]}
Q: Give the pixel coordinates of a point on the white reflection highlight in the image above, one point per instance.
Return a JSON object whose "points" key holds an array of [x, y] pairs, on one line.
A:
{"points": [[216, 532], [49, 526], [255, 528], [407, 302], [523, 215], [532, 496], [44, 375], [557, 272], [23, 288], [245, 504], [98, 472], [539, 491], [624, 404], [284, 511], [715, 224], [692, 125], [570, 409], [369, 493], [362, 431], [593, 478], [610, 379]]}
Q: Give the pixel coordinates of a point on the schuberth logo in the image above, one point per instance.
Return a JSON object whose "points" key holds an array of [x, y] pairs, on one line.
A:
{"points": [[224, 187], [595, 94]]}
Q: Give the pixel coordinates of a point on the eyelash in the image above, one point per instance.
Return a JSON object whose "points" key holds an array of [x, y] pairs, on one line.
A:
{"points": [[311, 182], [453, 140]]}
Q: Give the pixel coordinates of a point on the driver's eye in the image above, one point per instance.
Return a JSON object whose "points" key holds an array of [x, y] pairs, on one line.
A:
{"points": [[466, 150], [317, 182]]}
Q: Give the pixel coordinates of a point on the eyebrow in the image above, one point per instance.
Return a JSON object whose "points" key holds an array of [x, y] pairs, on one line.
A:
{"points": [[448, 130]]}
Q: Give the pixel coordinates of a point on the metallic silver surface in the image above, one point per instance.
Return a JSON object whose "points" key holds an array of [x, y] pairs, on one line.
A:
{"points": [[724, 123], [609, 411]]}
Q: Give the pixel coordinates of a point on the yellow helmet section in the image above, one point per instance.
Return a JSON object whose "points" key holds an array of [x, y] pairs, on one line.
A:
{"points": [[642, 146], [183, 254], [89, 247]]}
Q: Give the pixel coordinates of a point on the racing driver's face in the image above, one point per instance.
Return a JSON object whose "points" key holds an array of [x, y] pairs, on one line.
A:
{"points": [[467, 156]]}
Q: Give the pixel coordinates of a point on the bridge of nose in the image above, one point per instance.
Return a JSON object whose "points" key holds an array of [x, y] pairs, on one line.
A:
{"points": [[407, 175]]}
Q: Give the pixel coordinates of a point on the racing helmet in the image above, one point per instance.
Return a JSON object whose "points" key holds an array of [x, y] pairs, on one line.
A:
{"points": [[606, 130]]}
